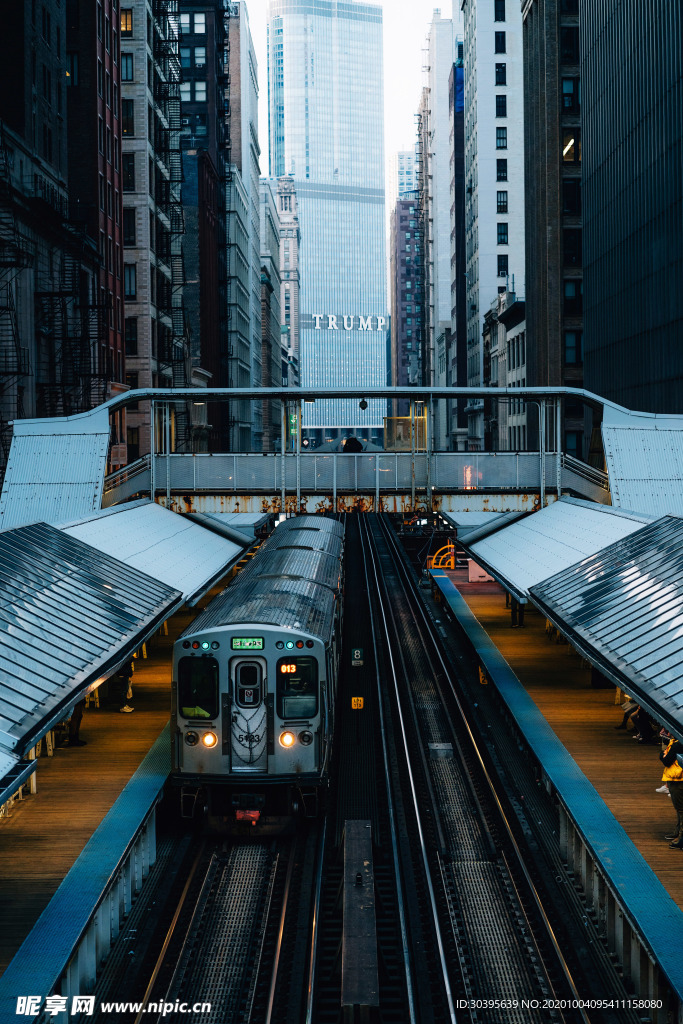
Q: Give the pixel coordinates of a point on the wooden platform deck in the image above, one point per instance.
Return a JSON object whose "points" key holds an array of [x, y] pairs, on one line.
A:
{"points": [[625, 773], [46, 832]]}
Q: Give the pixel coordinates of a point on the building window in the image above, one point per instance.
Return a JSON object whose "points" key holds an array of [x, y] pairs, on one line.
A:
{"points": [[126, 21], [571, 146], [129, 233], [502, 234], [127, 117], [571, 247], [501, 74], [200, 92], [569, 6], [199, 24], [569, 45], [185, 23], [501, 106], [126, 67], [573, 348], [499, 10], [501, 170], [100, 134], [101, 195], [503, 265], [571, 197], [571, 95], [185, 57], [131, 335], [501, 139], [200, 56], [500, 42], [501, 202], [573, 443], [128, 172], [130, 285], [573, 297], [186, 92], [72, 69]]}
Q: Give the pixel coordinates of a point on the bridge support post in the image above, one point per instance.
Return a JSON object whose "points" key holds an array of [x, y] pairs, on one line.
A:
{"points": [[413, 427], [167, 448], [152, 443], [542, 446], [298, 454]]}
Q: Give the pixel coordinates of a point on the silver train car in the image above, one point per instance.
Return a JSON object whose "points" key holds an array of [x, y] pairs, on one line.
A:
{"points": [[254, 683]]}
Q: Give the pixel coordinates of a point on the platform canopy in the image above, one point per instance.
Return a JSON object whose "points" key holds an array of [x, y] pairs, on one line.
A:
{"points": [[644, 458], [463, 522], [521, 553], [246, 523], [69, 616], [170, 547], [623, 609]]}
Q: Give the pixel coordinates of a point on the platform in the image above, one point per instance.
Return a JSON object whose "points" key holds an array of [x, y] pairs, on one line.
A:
{"points": [[625, 773], [76, 787]]}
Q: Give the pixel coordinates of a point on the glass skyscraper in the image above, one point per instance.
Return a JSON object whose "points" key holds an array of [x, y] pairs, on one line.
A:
{"points": [[326, 130]]}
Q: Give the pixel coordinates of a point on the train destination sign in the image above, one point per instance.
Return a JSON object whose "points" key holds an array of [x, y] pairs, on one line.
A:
{"points": [[247, 643]]}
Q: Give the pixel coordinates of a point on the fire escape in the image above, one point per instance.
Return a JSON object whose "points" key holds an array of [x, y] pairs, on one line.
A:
{"points": [[172, 347], [229, 11], [15, 254]]}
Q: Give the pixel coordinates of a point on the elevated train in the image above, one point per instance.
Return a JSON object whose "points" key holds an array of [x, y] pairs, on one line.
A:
{"points": [[254, 683]]}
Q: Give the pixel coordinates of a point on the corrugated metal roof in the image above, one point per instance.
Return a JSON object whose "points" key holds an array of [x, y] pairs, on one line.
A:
{"points": [[292, 604], [68, 614], [163, 544], [316, 566], [463, 521], [644, 456], [624, 608], [55, 470], [545, 542], [306, 524]]}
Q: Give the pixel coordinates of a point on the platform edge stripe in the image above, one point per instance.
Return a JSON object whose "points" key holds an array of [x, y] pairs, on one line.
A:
{"points": [[643, 896], [40, 961]]}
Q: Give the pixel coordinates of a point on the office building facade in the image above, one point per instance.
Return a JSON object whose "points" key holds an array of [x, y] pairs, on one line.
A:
{"points": [[632, 123], [406, 310], [554, 272], [326, 132], [494, 174], [457, 369]]}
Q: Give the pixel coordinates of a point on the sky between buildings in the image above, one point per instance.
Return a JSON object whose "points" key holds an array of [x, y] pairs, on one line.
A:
{"points": [[405, 29]]}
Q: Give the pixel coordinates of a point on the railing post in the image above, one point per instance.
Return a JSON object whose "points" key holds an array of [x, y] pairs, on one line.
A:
{"points": [[558, 444], [283, 448], [151, 450], [334, 482], [298, 455], [429, 428], [167, 446], [412, 455], [541, 417]]}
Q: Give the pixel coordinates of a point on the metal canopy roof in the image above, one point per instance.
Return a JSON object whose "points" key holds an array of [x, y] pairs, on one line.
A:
{"points": [[545, 542], [68, 616], [465, 521], [55, 469], [163, 544], [644, 455], [623, 608]]}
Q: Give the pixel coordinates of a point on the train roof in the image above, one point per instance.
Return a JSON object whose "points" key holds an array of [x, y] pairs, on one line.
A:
{"points": [[318, 523], [285, 602], [317, 566]]}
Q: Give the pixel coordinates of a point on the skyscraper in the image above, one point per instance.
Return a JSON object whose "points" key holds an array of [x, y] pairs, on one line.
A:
{"points": [[326, 130]]}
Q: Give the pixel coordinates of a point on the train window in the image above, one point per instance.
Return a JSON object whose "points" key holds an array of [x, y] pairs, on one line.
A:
{"points": [[248, 684], [198, 687], [297, 687]]}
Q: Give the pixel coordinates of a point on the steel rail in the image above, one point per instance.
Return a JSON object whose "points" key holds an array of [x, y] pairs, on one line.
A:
{"points": [[416, 602], [423, 850], [169, 935], [315, 927], [280, 934]]}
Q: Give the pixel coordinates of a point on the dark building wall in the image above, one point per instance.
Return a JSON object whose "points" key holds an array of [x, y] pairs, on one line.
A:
{"points": [[553, 208], [632, 73], [94, 150], [406, 303]]}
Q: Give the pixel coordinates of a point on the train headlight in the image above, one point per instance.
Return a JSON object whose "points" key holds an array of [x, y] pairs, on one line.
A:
{"points": [[306, 738], [209, 739], [287, 739], [191, 738]]}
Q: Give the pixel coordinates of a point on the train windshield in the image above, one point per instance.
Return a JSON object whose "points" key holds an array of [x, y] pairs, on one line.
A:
{"points": [[198, 687], [297, 687]]}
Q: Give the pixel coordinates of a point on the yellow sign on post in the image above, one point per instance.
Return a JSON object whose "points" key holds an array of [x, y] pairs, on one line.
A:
{"points": [[357, 703]]}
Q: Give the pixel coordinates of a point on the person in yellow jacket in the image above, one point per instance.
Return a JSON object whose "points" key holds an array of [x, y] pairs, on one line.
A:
{"points": [[673, 777]]}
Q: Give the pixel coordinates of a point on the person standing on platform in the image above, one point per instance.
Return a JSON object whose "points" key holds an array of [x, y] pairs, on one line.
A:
{"points": [[122, 688], [75, 725], [673, 776]]}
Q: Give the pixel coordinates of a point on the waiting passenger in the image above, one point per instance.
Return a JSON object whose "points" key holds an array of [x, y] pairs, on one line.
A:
{"points": [[645, 731], [122, 687], [75, 725], [673, 777], [629, 707]]}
